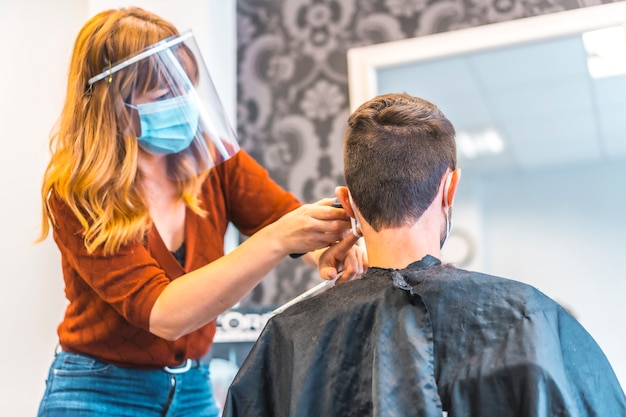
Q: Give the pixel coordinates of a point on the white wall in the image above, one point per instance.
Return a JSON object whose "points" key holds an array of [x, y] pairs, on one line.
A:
{"points": [[38, 37]]}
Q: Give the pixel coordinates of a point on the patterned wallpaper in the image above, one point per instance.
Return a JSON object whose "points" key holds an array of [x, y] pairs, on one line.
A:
{"points": [[293, 86]]}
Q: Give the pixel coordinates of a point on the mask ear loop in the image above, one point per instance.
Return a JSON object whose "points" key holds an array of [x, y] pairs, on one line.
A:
{"points": [[446, 189], [356, 225]]}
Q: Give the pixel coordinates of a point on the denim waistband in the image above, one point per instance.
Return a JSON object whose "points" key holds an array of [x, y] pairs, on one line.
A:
{"points": [[177, 369]]}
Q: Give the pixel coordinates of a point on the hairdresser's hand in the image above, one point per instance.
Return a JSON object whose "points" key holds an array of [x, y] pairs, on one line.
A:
{"points": [[310, 227], [344, 256]]}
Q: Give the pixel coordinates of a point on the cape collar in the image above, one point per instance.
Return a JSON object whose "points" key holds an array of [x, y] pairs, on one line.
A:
{"points": [[426, 262]]}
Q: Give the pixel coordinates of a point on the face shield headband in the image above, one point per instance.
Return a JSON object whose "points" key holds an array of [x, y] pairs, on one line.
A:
{"points": [[165, 97]]}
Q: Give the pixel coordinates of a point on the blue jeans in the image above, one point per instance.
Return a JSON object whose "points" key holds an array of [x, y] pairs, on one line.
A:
{"points": [[80, 385]]}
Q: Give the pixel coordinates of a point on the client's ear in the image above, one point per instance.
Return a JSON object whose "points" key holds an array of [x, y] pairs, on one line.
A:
{"points": [[449, 189], [343, 195]]}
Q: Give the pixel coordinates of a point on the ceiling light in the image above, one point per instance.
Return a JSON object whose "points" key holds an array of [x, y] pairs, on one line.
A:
{"points": [[606, 51], [472, 144]]}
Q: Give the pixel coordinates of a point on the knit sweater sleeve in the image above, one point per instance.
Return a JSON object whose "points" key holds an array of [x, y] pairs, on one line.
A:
{"points": [[130, 280]]}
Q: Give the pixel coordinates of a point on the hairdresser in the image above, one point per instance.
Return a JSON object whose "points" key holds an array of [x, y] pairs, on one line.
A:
{"points": [[145, 176]]}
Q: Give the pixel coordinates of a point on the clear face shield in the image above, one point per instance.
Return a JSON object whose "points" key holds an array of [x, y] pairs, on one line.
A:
{"points": [[164, 96]]}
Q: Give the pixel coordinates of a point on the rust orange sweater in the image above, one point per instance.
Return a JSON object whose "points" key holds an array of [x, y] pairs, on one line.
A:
{"points": [[110, 297]]}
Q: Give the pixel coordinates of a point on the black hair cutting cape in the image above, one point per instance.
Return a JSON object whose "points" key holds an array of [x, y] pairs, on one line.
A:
{"points": [[428, 340]]}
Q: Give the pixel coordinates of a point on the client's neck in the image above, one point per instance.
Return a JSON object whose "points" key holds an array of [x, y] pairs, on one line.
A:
{"points": [[398, 247]]}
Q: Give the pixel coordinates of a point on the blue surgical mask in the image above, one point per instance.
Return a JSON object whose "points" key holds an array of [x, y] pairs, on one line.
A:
{"points": [[167, 126]]}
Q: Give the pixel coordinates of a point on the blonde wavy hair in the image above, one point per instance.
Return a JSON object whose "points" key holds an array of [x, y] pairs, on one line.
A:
{"points": [[93, 167]]}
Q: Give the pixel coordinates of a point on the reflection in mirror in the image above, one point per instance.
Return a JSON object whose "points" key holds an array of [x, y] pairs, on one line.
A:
{"points": [[539, 106], [528, 105]]}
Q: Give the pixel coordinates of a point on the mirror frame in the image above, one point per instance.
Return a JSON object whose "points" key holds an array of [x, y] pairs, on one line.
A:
{"points": [[364, 62]]}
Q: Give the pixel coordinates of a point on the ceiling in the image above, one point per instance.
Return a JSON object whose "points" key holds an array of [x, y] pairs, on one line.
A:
{"points": [[539, 95]]}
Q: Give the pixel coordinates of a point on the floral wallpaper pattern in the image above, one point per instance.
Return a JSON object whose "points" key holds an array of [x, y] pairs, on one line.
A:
{"points": [[293, 86]]}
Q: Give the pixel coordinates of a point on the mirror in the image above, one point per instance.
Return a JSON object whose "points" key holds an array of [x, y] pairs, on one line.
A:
{"points": [[541, 136], [523, 94]]}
